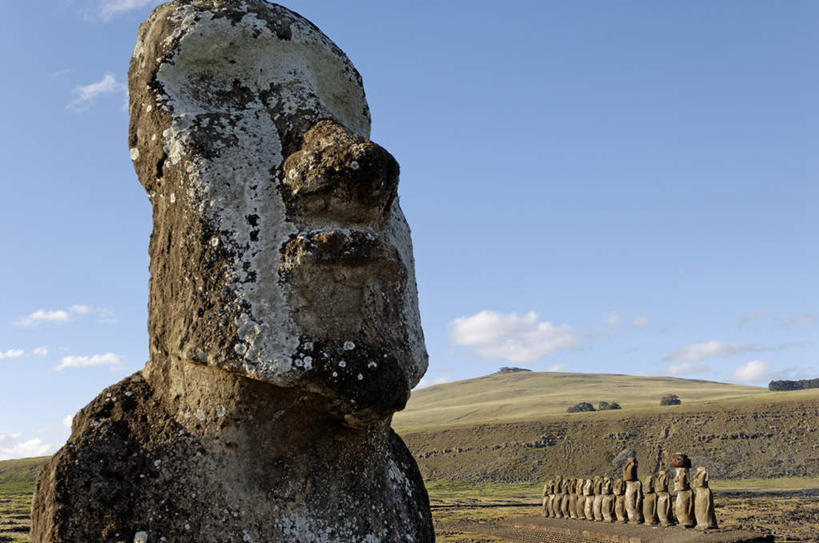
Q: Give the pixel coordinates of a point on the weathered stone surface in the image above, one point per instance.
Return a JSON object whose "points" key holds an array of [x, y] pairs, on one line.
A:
{"points": [[649, 501], [703, 501], [572, 490], [588, 506], [597, 502], [630, 470], [283, 323], [684, 502], [607, 505], [619, 490], [664, 514], [547, 494], [580, 501]]}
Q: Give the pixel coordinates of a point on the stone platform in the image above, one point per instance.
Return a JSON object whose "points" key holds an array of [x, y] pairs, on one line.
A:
{"points": [[548, 530]]}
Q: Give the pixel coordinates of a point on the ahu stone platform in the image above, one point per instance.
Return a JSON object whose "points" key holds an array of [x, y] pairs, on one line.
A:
{"points": [[551, 530]]}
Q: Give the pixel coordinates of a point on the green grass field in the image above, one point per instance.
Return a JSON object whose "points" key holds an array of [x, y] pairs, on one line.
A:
{"points": [[532, 395]]}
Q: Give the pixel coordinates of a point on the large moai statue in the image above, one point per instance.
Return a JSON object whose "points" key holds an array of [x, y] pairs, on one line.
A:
{"points": [[664, 514], [597, 503], [607, 505], [564, 499], [547, 490], [572, 498], [588, 493], [684, 502], [619, 490], [283, 320], [649, 501], [703, 501], [580, 502], [556, 495], [634, 492]]}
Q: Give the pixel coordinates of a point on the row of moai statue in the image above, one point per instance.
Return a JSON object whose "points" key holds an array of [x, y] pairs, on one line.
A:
{"points": [[629, 500]]}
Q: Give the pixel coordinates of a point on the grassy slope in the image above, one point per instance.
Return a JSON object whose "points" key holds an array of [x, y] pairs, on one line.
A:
{"points": [[531, 395], [18, 476]]}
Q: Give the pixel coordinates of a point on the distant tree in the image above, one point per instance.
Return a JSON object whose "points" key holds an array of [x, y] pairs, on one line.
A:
{"points": [[670, 399], [580, 407], [793, 385], [605, 406], [506, 369]]}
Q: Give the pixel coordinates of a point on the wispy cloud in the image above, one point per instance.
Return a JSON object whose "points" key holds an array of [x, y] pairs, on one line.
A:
{"points": [[556, 367], [84, 96], [428, 382], [67, 420], [63, 315], [755, 371], [510, 337], [12, 353], [612, 318], [751, 317], [800, 320], [640, 321], [14, 446], [40, 351], [712, 349], [109, 9], [686, 368], [107, 359]]}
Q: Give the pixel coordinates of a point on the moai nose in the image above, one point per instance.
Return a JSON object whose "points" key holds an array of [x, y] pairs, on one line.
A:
{"points": [[341, 176]]}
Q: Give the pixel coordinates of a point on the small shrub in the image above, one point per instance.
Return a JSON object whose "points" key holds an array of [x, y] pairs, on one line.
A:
{"points": [[670, 399], [580, 407], [605, 406], [801, 384]]}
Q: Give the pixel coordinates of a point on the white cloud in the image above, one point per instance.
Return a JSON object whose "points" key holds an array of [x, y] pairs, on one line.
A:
{"points": [[427, 382], [755, 371], [61, 315], [12, 353], [12, 446], [86, 95], [107, 359], [612, 318], [709, 349], [640, 321], [686, 368], [67, 420], [751, 317], [41, 351], [800, 320], [508, 336], [557, 367], [111, 8]]}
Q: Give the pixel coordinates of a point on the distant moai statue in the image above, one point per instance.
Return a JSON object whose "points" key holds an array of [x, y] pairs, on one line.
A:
{"points": [[634, 492], [572, 498], [547, 489], [649, 501], [564, 499], [684, 503], [597, 503], [703, 501], [664, 514], [556, 494], [620, 501], [588, 506], [580, 501], [608, 501]]}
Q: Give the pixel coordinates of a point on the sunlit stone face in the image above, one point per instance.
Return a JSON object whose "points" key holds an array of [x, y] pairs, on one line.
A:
{"points": [[279, 250]]}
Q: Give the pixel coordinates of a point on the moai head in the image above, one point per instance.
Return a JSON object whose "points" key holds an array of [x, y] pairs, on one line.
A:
{"points": [[619, 487], [606, 488], [701, 477], [630, 470], [279, 251], [597, 486], [681, 481], [648, 484], [588, 487], [662, 481]]}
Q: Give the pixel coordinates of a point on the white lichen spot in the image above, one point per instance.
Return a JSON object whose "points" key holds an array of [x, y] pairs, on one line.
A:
{"points": [[354, 165], [200, 415], [173, 198], [342, 364], [240, 348], [308, 346], [134, 153], [157, 463], [372, 364], [187, 526], [141, 537], [359, 377], [335, 374], [220, 411], [246, 537], [308, 362], [214, 242], [349, 345]]}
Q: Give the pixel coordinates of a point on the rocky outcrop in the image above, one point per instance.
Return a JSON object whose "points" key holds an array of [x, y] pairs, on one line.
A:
{"points": [[283, 319]]}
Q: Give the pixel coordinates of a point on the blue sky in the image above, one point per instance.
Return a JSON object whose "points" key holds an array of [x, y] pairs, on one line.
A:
{"points": [[625, 187]]}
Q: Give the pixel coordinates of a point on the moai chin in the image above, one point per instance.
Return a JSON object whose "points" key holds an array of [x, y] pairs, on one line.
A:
{"points": [[649, 501], [633, 492], [664, 514], [703, 501], [283, 320]]}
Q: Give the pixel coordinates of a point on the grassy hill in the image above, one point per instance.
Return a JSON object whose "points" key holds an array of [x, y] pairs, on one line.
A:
{"points": [[505, 397], [18, 476]]}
